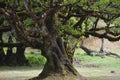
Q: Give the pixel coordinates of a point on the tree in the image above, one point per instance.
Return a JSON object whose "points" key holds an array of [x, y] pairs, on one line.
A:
{"points": [[44, 24], [1, 51], [11, 58]]}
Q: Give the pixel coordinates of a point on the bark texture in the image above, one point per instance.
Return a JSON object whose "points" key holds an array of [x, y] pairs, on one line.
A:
{"points": [[58, 63]]}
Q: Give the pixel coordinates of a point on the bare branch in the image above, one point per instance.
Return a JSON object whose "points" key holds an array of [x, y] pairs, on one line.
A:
{"points": [[30, 11], [104, 35], [79, 23]]}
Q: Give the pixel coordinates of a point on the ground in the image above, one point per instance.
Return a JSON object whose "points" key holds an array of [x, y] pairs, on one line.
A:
{"points": [[93, 68], [18, 74], [25, 73], [95, 43]]}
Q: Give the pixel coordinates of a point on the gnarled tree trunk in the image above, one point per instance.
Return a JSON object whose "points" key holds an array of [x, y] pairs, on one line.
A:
{"points": [[49, 42], [58, 62]]}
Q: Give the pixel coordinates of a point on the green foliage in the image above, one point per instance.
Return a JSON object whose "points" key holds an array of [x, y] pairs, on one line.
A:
{"points": [[71, 1], [1, 0], [98, 5], [28, 22], [115, 30], [116, 22], [38, 9], [107, 61], [35, 59], [68, 27], [115, 2]]}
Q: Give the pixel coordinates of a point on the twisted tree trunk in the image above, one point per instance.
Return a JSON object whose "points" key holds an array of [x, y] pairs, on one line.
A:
{"points": [[49, 42], [58, 63]]}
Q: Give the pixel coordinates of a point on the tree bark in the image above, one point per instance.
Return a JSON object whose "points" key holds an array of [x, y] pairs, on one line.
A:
{"points": [[10, 59], [11, 44], [102, 45], [70, 46], [58, 62], [5, 29], [52, 47], [21, 59], [2, 54], [88, 51]]}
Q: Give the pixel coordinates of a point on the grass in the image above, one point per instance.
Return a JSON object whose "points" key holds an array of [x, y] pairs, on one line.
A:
{"points": [[98, 78], [103, 71], [107, 61], [97, 68]]}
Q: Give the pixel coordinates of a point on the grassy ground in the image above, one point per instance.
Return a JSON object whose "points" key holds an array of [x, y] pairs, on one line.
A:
{"points": [[96, 61], [97, 68], [93, 68]]}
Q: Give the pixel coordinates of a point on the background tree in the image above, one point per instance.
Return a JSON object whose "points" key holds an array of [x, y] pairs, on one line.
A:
{"points": [[53, 20], [1, 51], [10, 57]]}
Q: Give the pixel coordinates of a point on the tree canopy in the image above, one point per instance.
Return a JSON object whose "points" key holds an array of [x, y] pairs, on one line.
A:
{"points": [[71, 16]]}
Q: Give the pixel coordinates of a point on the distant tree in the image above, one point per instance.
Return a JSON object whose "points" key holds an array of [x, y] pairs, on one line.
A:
{"points": [[1, 51], [44, 24]]}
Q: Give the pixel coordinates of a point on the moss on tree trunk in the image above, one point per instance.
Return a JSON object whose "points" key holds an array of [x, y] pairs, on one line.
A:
{"points": [[58, 64]]}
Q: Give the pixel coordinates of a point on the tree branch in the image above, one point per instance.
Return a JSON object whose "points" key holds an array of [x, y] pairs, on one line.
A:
{"points": [[103, 35]]}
